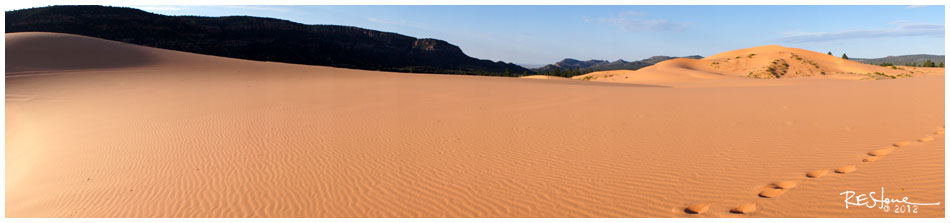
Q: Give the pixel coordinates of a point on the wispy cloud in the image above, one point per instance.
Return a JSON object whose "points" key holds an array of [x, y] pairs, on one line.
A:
{"points": [[258, 8], [395, 22], [161, 8], [900, 30], [915, 6], [587, 19], [638, 21]]}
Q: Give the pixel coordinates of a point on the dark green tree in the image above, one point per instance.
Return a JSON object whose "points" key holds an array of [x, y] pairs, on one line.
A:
{"points": [[829, 53], [929, 63], [844, 56], [941, 64]]}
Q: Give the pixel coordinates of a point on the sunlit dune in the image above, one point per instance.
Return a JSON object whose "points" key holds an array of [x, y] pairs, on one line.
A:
{"points": [[748, 66], [98, 128], [543, 77]]}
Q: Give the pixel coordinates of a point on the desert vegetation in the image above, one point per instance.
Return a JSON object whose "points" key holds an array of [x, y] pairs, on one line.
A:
{"points": [[777, 69]]}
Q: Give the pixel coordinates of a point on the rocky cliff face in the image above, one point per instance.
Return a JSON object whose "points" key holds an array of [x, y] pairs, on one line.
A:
{"points": [[255, 38]]}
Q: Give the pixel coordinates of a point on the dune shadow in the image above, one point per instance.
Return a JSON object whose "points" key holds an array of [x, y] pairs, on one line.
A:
{"points": [[38, 52]]}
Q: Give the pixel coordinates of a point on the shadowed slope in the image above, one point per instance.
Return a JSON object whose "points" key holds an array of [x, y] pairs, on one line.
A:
{"points": [[28, 52]]}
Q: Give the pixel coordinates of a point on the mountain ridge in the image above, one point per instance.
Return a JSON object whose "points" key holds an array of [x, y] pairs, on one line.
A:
{"points": [[572, 67], [910, 59], [258, 38]]}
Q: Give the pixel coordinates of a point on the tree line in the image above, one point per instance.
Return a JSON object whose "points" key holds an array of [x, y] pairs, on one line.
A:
{"points": [[570, 72], [927, 63]]}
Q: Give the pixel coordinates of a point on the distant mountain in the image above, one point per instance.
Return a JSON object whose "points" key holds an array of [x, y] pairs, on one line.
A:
{"points": [[530, 66], [569, 63], [572, 67], [263, 39], [917, 59]]}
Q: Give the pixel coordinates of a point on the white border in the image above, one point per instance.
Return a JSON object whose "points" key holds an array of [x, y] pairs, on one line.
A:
{"points": [[27, 4]]}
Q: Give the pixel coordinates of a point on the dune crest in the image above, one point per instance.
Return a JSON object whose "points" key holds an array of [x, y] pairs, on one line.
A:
{"points": [[41, 52], [548, 77], [763, 62], [50, 52], [176, 134]]}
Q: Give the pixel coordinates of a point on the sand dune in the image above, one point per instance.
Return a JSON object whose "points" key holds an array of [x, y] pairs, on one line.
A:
{"points": [[543, 77], [59, 53], [744, 67], [107, 129]]}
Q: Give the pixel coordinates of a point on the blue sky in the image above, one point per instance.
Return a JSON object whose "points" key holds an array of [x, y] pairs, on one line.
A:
{"points": [[546, 34]]}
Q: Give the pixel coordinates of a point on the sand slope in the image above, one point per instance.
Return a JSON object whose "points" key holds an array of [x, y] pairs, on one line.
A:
{"points": [[171, 134], [745, 66], [543, 77]]}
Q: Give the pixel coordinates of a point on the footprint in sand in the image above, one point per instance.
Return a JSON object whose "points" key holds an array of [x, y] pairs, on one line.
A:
{"points": [[777, 188], [881, 152], [901, 143], [785, 184], [771, 192], [746, 208], [816, 173], [846, 169], [697, 208], [872, 159]]}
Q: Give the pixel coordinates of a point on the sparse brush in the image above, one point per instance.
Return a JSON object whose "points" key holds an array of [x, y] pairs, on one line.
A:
{"points": [[885, 75]]}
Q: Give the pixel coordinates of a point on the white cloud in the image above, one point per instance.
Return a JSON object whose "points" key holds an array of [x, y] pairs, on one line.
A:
{"points": [[395, 22], [160, 8], [637, 21], [258, 8], [588, 19], [902, 29]]}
